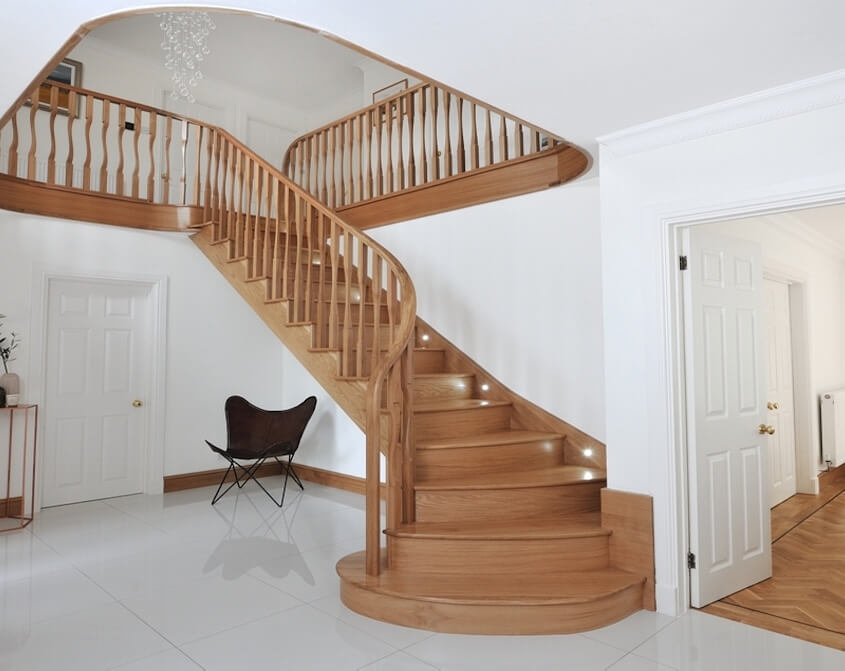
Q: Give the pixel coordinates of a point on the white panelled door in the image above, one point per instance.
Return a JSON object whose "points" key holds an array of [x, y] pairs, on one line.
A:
{"points": [[779, 398], [730, 533], [98, 353]]}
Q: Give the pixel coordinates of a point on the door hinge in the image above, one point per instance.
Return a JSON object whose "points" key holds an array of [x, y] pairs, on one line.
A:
{"points": [[683, 263], [690, 560]]}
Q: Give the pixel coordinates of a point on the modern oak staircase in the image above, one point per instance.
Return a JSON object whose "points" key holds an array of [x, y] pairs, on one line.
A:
{"points": [[496, 516]]}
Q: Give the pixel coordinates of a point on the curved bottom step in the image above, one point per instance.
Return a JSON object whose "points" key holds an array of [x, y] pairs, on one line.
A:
{"points": [[508, 604]]}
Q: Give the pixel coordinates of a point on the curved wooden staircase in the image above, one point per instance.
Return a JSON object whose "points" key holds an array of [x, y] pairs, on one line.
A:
{"points": [[496, 516]]}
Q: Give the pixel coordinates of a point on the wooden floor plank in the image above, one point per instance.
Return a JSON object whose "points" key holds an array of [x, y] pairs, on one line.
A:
{"points": [[798, 508]]}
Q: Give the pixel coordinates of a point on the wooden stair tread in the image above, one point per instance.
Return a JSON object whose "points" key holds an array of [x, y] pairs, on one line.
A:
{"points": [[511, 437], [547, 477], [521, 590], [457, 404], [571, 526]]}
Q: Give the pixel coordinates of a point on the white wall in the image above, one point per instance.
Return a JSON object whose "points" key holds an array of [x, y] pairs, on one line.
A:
{"points": [[788, 246], [216, 344], [724, 162], [516, 284]]}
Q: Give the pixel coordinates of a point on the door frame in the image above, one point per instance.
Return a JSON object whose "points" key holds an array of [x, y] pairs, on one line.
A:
{"points": [[153, 452], [673, 219]]}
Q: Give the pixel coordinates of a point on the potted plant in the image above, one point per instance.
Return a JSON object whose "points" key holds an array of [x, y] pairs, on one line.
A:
{"points": [[9, 381]]}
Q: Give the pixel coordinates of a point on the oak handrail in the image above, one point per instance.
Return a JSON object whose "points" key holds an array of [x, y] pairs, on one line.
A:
{"points": [[357, 298], [421, 135]]}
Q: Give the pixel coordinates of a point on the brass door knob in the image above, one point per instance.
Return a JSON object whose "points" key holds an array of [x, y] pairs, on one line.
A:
{"points": [[137, 404], [766, 429], [772, 406]]}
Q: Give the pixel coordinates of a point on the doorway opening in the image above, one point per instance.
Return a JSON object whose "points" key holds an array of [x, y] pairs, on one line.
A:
{"points": [[761, 341]]}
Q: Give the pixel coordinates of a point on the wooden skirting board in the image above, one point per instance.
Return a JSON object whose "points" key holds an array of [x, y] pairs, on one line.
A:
{"points": [[320, 476], [503, 180], [20, 195]]}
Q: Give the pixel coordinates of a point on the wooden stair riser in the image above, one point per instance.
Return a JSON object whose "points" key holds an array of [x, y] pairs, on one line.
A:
{"points": [[433, 464], [498, 556], [507, 504], [448, 386], [457, 423], [491, 618]]}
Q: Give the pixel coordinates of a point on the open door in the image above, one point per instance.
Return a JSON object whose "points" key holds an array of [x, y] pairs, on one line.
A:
{"points": [[730, 529]]}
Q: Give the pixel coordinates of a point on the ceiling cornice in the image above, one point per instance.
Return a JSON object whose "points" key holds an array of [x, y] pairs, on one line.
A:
{"points": [[775, 103]]}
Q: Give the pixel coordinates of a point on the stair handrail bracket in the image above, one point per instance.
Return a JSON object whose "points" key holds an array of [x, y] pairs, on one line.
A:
{"points": [[355, 297]]}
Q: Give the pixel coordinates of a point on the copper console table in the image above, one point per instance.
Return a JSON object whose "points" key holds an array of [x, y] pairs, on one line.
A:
{"points": [[14, 503]]}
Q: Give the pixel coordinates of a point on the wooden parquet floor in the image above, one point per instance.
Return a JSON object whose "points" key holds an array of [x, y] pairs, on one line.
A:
{"points": [[805, 597]]}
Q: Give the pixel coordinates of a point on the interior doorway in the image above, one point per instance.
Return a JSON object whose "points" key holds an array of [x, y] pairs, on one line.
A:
{"points": [[801, 327]]}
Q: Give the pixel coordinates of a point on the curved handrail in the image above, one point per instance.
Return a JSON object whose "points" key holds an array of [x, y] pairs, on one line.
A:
{"points": [[421, 135], [324, 270]]}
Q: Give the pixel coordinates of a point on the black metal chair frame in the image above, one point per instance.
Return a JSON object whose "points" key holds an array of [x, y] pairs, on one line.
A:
{"points": [[286, 447]]}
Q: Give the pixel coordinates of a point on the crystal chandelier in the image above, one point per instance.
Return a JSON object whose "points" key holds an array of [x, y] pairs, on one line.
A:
{"points": [[184, 47]]}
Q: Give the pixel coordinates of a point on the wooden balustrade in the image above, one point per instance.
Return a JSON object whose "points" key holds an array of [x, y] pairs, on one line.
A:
{"points": [[419, 136], [357, 298]]}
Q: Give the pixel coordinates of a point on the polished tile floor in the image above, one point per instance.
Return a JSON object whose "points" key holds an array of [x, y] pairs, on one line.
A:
{"points": [[164, 583]]}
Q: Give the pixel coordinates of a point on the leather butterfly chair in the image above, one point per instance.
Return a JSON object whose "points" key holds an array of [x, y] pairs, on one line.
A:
{"points": [[256, 435]]}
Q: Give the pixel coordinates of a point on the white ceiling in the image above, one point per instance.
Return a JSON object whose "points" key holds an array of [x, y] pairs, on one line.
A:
{"points": [[276, 60], [826, 221]]}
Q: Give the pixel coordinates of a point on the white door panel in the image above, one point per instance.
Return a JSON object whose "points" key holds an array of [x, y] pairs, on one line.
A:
{"points": [[98, 348], [779, 395], [730, 531]]}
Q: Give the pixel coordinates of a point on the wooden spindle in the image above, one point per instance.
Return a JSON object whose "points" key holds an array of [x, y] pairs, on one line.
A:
{"points": [[183, 156], [435, 149], [346, 340], [33, 137], [488, 140], [152, 118], [520, 141], [258, 237], [104, 136], [13, 148], [391, 307], [388, 110], [274, 287], [379, 176], [237, 195], [369, 123], [360, 192], [121, 129], [447, 132], [321, 273], [412, 164], [168, 138], [71, 115], [195, 200], [266, 249], [362, 307], [209, 212], [535, 141], [298, 280], [407, 440], [222, 185], [331, 172], [333, 305], [341, 149], [286, 251], [473, 160], [376, 351], [86, 166], [324, 153], [400, 158], [309, 260], [462, 161], [423, 124], [136, 138], [51, 157], [503, 138]]}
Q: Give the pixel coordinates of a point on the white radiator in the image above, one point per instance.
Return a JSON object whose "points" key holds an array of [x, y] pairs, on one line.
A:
{"points": [[833, 426]]}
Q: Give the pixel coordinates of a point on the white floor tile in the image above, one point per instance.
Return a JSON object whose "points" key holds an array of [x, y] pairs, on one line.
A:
{"points": [[701, 641], [398, 637], [22, 555], [632, 662], [171, 660], [91, 640], [302, 638], [627, 634], [208, 606], [454, 651], [399, 661], [48, 595]]}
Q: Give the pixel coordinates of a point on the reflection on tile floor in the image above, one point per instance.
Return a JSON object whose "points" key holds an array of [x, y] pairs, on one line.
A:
{"points": [[170, 582]]}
